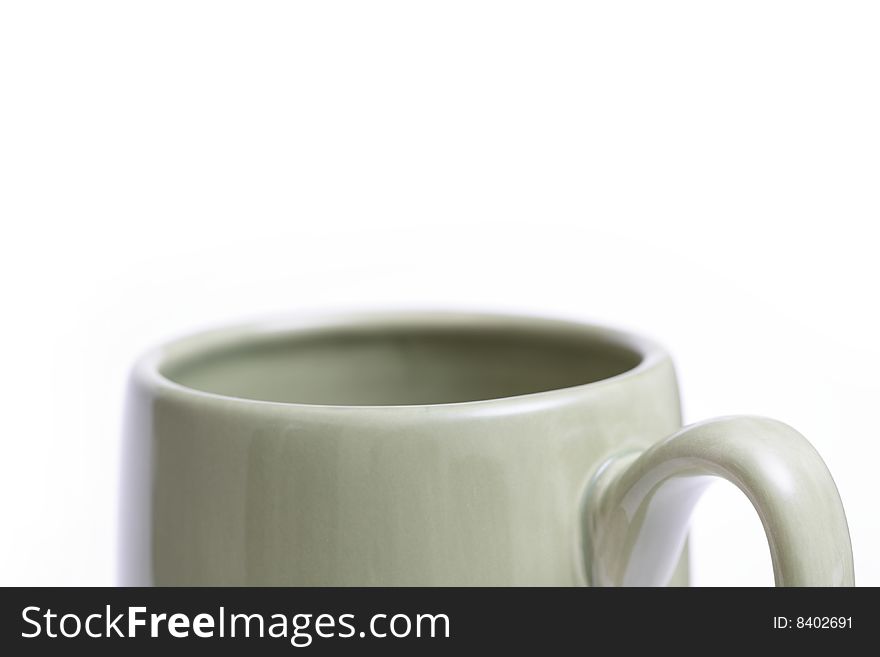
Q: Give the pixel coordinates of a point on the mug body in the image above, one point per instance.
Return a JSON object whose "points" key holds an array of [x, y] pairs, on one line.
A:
{"points": [[381, 449]]}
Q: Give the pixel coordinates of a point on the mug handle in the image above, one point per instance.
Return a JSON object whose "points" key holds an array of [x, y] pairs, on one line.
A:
{"points": [[638, 506]]}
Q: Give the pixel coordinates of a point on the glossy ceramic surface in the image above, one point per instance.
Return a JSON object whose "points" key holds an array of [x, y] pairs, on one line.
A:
{"points": [[640, 504], [441, 449]]}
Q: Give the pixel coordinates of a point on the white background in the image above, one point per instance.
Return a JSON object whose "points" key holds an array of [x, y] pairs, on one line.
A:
{"points": [[705, 173]]}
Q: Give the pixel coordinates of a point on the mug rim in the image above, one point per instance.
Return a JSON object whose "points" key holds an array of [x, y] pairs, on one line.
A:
{"points": [[148, 368]]}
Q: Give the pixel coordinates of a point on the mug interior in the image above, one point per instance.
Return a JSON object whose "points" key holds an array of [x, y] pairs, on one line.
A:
{"points": [[397, 364]]}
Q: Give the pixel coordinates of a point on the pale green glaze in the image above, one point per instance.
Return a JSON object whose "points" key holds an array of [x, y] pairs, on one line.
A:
{"points": [[640, 504], [400, 449]]}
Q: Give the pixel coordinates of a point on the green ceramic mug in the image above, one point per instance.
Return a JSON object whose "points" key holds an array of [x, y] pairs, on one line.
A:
{"points": [[444, 449]]}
